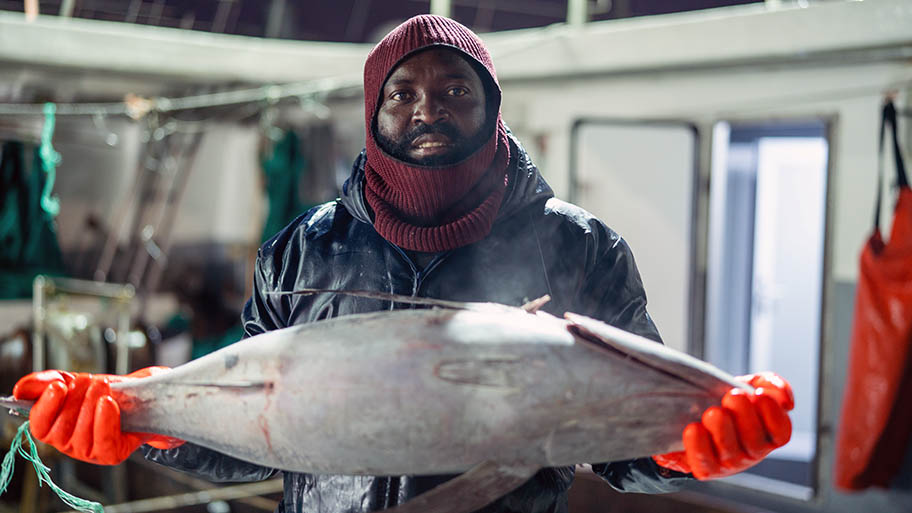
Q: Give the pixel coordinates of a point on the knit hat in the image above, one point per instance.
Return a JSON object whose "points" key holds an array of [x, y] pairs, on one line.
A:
{"points": [[433, 208]]}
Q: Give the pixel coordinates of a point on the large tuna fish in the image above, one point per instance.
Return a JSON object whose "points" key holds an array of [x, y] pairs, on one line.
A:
{"points": [[494, 391]]}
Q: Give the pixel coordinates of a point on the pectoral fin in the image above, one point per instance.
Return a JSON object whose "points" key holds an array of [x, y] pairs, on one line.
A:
{"points": [[480, 486]]}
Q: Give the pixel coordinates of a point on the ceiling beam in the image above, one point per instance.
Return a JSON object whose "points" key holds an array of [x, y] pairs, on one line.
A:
{"points": [[84, 45], [741, 35], [728, 36]]}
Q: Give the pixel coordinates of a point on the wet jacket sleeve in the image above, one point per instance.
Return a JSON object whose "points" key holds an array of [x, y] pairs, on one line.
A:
{"points": [[613, 292], [207, 463]]}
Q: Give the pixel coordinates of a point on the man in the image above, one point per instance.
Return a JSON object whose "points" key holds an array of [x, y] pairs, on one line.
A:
{"points": [[443, 203]]}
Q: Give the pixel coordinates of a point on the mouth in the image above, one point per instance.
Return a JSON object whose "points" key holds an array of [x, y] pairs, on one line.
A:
{"points": [[432, 144]]}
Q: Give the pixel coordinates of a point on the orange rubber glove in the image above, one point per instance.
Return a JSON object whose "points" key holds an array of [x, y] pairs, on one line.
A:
{"points": [[78, 415], [740, 433]]}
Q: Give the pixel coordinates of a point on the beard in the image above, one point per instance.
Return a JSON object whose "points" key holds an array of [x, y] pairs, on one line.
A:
{"points": [[462, 146]]}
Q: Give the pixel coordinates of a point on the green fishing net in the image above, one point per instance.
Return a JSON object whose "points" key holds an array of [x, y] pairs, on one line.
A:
{"points": [[30, 454]]}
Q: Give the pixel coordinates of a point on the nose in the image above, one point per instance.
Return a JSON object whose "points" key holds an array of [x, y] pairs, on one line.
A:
{"points": [[429, 110]]}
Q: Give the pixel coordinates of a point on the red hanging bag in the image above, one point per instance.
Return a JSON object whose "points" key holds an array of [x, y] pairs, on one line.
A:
{"points": [[876, 422]]}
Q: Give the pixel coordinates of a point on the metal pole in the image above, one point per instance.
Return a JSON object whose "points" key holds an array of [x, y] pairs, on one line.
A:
{"points": [[166, 224], [172, 502], [442, 7], [276, 16], [577, 12], [115, 291], [122, 344], [38, 314], [133, 11], [31, 8], [121, 215], [221, 15], [66, 8]]}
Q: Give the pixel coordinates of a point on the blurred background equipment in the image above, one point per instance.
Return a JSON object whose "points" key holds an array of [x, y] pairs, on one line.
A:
{"points": [[28, 236], [729, 141], [85, 326]]}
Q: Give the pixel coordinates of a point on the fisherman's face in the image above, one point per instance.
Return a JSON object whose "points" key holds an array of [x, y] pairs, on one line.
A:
{"points": [[432, 110]]}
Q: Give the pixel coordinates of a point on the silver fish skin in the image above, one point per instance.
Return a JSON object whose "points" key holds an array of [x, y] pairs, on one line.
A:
{"points": [[431, 391]]}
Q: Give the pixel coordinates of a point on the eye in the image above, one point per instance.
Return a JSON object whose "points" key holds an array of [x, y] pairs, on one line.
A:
{"points": [[401, 96], [458, 91]]}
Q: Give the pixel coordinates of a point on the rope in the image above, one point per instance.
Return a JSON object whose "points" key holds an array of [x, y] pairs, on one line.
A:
{"points": [[31, 455], [269, 94], [49, 160]]}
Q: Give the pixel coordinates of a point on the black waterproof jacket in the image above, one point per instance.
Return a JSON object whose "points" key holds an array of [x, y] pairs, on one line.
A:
{"points": [[538, 245]]}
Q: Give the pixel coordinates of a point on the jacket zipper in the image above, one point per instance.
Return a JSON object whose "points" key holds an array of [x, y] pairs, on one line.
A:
{"points": [[411, 266], [434, 263], [419, 276]]}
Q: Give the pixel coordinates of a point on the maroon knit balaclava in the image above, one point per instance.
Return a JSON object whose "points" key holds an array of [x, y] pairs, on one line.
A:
{"points": [[423, 208]]}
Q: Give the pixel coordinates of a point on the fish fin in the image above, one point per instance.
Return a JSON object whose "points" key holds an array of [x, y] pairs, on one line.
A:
{"points": [[535, 304], [681, 366], [480, 486]]}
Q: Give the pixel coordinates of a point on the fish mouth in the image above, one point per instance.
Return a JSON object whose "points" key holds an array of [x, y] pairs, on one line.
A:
{"points": [[15, 406]]}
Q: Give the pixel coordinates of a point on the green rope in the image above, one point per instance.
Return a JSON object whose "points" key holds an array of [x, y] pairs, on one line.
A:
{"points": [[6, 472], [49, 160]]}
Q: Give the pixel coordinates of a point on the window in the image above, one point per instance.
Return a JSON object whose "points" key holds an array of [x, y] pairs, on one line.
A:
{"points": [[765, 274]]}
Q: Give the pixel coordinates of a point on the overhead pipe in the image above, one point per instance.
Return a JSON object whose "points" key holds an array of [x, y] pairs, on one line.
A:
{"points": [[577, 12]]}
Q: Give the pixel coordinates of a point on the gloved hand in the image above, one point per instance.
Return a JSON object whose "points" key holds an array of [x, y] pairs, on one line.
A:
{"points": [[77, 414], [740, 433]]}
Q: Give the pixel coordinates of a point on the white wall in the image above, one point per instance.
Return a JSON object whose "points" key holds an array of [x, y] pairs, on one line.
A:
{"points": [[223, 201]]}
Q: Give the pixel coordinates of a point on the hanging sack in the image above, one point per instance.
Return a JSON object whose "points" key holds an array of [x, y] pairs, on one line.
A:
{"points": [[876, 422]]}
